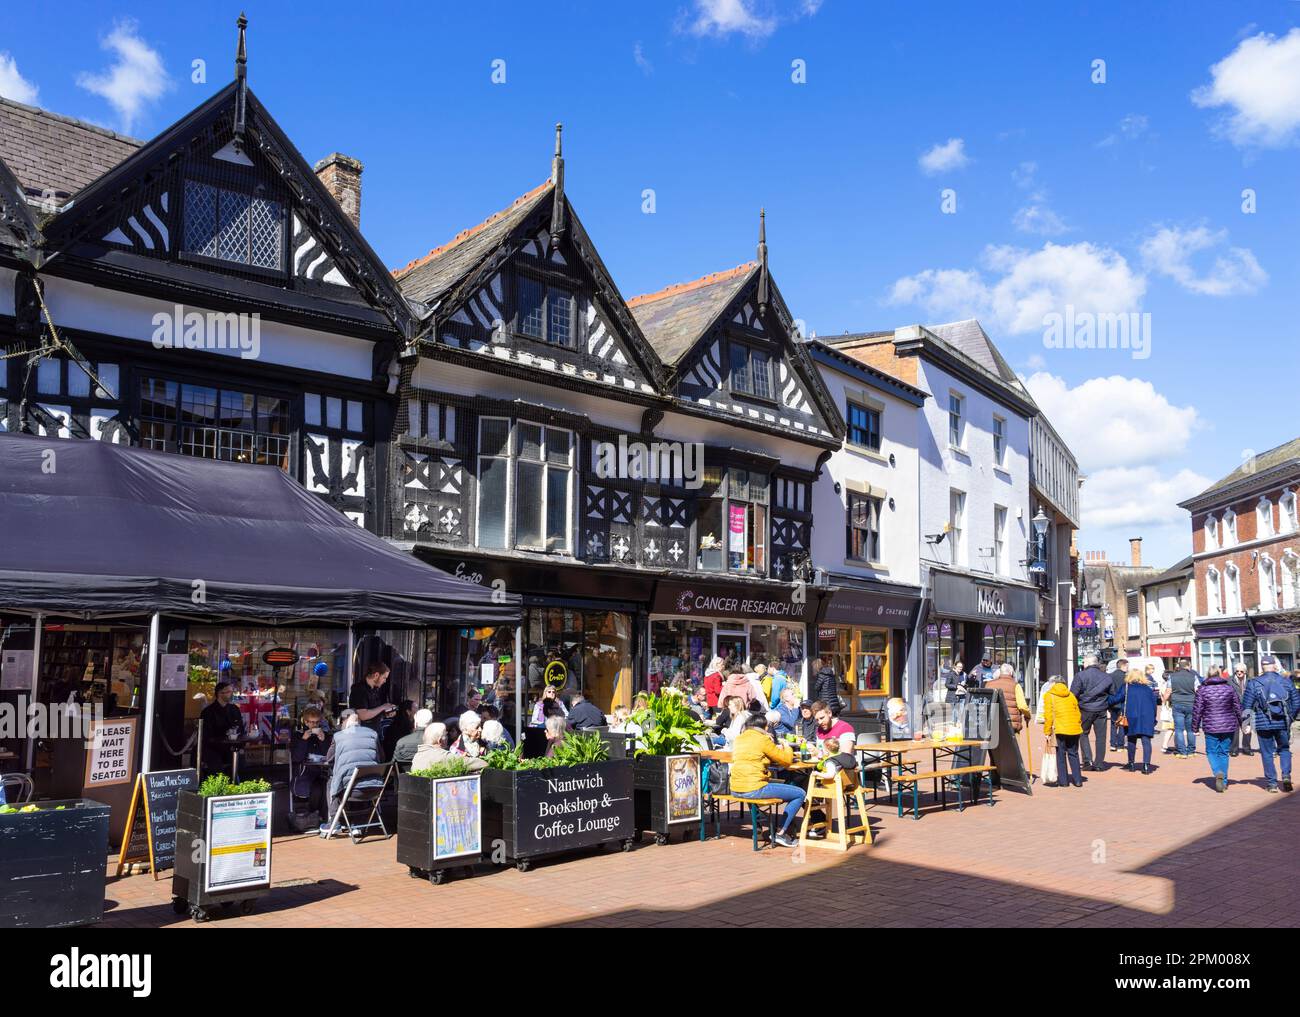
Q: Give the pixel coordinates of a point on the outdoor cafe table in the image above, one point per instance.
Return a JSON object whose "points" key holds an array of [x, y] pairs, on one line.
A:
{"points": [[710, 756], [898, 749]]}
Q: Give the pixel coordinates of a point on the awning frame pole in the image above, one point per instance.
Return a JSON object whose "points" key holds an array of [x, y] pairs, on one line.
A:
{"points": [[155, 626], [352, 662], [36, 684], [519, 680]]}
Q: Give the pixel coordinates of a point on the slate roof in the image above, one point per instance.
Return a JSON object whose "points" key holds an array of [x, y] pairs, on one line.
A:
{"points": [[1178, 571], [673, 318], [431, 276], [48, 151], [969, 338], [1285, 453]]}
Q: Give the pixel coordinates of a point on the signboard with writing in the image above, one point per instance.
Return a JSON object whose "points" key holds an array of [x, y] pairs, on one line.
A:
{"points": [[736, 530], [556, 674], [457, 817], [173, 672], [238, 849], [566, 808], [110, 759], [962, 597], [849, 606], [683, 783], [766, 600], [16, 670], [151, 822]]}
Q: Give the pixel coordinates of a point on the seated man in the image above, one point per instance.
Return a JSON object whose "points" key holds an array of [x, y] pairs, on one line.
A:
{"points": [[433, 750], [408, 745], [354, 745], [309, 751], [582, 714], [830, 726], [750, 777]]}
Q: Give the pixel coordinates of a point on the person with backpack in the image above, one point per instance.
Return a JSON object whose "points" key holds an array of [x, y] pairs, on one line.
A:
{"points": [[1274, 702], [1217, 711], [1092, 689], [1182, 697]]}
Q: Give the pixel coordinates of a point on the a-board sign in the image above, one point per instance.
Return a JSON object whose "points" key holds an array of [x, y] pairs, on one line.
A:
{"points": [[566, 808], [683, 783], [151, 822], [1004, 746], [280, 656], [238, 849], [110, 757]]}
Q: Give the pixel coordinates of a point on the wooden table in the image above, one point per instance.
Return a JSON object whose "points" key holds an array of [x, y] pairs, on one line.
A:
{"points": [[724, 756], [948, 748]]}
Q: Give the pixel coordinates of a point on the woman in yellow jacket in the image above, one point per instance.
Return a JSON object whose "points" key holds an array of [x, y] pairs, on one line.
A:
{"points": [[1063, 724], [750, 778]]}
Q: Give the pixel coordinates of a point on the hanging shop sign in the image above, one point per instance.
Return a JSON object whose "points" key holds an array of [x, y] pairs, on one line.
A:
{"points": [[775, 601], [1085, 618]]}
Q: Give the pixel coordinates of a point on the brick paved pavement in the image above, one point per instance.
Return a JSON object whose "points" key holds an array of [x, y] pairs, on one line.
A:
{"points": [[1126, 850]]}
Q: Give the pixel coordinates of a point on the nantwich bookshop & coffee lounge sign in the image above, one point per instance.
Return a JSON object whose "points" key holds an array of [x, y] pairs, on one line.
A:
{"points": [[572, 807]]}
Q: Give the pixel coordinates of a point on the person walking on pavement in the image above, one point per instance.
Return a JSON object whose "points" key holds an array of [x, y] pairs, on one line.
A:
{"points": [[1217, 711], [1117, 679], [1182, 696], [826, 686], [1274, 701], [1133, 709], [1091, 688], [1241, 741], [1062, 727]]}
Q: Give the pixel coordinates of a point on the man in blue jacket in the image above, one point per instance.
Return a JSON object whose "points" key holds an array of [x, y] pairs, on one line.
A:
{"points": [[1092, 688], [1117, 679], [1275, 702]]}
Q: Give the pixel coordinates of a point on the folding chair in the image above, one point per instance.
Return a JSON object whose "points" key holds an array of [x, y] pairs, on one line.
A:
{"points": [[15, 788], [365, 787]]}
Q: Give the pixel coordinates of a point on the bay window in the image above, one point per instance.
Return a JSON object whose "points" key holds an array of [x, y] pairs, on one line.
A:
{"points": [[731, 521]]}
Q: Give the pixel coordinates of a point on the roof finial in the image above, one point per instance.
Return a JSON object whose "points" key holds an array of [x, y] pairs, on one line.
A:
{"points": [[762, 261], [241, 78], [557, 179]]}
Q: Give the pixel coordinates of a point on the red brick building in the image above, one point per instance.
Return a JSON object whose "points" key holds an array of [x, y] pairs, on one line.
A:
{"points": [[1246, 554]]}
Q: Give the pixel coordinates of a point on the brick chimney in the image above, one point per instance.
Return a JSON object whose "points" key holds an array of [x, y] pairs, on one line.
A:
{"points": [[1135, 551], [341, 175]]}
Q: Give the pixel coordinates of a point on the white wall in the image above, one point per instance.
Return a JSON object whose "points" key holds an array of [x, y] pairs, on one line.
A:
{"points": [[972, 471], [899, 531], [1169, 608]]}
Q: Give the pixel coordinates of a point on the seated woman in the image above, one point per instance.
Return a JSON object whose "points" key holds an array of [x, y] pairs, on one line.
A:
{"points": [[750, 777], [494, 736], [433, 750], [788, 708], [556, 730], [308, 751]]}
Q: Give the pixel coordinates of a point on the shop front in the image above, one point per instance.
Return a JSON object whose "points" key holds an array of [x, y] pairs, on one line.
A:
{"points": [[1226, 644], [972, 617], [691, 622], [1169, 652], [863, 635]]}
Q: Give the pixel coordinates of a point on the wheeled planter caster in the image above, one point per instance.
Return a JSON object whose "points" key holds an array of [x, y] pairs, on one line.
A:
{"points": [[628, 844], [524, 864]]}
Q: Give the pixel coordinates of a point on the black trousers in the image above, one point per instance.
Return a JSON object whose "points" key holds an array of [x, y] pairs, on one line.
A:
{"points": [[1067, 752], [1096, 723]]}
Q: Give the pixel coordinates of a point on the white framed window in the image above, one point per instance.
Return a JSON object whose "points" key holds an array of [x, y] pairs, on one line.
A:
{"points": [[1232, 589], [956, 419], [999, 441], [1213, 594], [1134, 615], [1267, 584], [957, 525], [1264, 518], [1211, 533], [1000, 539], [494, 448], [1288, 520], [1290, 579], [543, 488], [1229, 528]]}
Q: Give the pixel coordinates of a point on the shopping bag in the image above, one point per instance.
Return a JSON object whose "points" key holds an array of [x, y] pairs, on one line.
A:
{"points": [[1049, 765]]}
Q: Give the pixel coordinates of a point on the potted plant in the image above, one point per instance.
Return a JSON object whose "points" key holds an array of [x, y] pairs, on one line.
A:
{"points": [[52, 863], [223, 846], [439, 819], [666, 769], [576, 798]]}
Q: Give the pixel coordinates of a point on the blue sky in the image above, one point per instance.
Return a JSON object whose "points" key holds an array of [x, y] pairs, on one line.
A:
{"points": [[1107, 196]]}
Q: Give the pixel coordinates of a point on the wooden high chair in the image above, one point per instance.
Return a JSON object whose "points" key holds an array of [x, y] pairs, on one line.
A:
{"points": [[834, 793]]}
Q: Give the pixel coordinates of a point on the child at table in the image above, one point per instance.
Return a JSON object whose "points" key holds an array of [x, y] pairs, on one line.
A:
{"points": [[836, 761]]}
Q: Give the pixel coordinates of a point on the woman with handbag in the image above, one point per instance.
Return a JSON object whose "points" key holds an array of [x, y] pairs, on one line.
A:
{"points": [[1137, 716]]}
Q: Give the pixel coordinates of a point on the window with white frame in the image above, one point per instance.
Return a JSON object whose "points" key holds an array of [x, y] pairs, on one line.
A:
{"points": [[1211, 533], [1286, 510], [1229, 528], [999, 441], [956, 419], [1264, 518], [1267, 584], [543, 486], [1213, 596], [1134, 615], [957, 525], [1000, 539], [1290, 579], [1232, 589]]}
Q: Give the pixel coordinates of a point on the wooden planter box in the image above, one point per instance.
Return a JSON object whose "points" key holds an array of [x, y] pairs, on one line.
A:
{"points": [[53, 864], [659, 811], [190, 876], [529, 814], [439, 824]]}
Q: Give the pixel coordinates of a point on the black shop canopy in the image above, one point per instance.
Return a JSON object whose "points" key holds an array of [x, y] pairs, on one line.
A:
{"points": [[89, 528]]}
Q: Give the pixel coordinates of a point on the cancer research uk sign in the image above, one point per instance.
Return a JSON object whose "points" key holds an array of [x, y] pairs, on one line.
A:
{"points": [[573, 807]]}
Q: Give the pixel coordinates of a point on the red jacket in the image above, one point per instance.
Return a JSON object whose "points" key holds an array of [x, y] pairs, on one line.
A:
{"points": [[712, 686]]}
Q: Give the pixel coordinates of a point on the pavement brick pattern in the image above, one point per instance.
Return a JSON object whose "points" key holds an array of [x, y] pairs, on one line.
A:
{"points": [[1126, 850]]}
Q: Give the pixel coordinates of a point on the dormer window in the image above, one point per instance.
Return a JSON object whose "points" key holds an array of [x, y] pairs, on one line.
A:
{"points": [[546, 313], [233, 226], [751, 371]]}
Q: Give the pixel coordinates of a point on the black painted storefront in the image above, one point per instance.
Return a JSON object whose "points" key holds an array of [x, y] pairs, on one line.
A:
{"points": [[968, 616]]}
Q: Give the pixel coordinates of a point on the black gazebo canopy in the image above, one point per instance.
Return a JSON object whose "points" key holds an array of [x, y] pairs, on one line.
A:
{"points": [[95, 529]]}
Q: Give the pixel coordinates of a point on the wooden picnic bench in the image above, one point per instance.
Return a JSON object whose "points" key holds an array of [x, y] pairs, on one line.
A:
{"points": [[983, 772], [756, 805]]}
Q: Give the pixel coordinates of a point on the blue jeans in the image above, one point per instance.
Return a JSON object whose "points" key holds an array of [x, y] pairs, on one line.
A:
{"points": [[1279, 742], [1217, 747], [791, 795], [1184, 736]]}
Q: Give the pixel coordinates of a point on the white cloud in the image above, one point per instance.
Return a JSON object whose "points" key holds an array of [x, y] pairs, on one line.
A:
{"points": [[1136, 498], [1131, 126], [13, 85], [1023, 175], [721, 18], [1038, 217], [136, 77], [1114, 422], [1023, 286], [642, 60], [1259, 84], [951, 155], [1169, 250]]}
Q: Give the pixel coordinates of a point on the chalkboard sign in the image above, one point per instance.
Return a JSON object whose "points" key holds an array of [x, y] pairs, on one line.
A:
{"points": [[1004, 749], [151, 823]]}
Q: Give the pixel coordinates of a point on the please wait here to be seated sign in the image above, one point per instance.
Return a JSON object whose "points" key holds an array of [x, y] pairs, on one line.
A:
{"points": [[111, 757]]}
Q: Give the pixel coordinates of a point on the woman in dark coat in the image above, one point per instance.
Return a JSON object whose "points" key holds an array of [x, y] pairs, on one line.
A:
{"points": [[1217, 711], [1137, 701]]}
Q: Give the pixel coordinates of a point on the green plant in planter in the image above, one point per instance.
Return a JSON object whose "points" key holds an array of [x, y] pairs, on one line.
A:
{"points": [[579, 749], [455, 767], [668, 726], [219, 785], [509, 759]]}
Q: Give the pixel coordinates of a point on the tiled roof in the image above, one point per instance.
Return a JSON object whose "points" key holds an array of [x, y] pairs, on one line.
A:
{"points": [[47, 151], [1178, 571], [429, 277], [969, 337], [673, 318], [1287, 452]]}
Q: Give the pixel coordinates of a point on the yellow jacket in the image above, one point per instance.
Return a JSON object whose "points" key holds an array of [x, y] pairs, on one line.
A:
{"points": [[1061, 711], [749, 758]]}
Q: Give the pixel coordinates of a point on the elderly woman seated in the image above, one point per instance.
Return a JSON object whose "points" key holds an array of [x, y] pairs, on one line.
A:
{"points": [[470, 743], [433, 749], [556, 730]]}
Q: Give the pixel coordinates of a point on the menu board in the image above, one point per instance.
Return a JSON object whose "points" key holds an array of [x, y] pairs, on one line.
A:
{"points": [[151, 822], [16, 670], [458, 817], [238, 850], [110, 759]]}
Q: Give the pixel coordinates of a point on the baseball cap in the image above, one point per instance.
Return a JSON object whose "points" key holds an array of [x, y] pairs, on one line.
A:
{"points": [[1268, 658]]}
